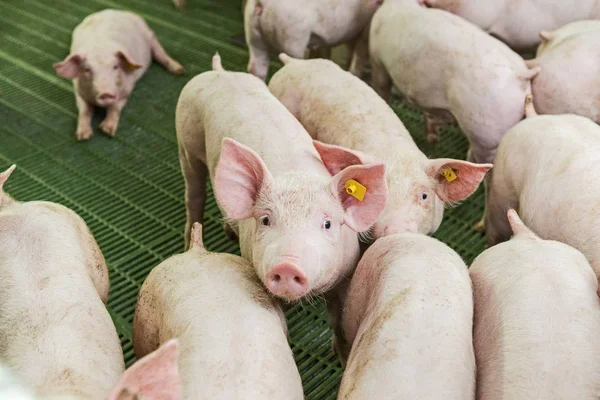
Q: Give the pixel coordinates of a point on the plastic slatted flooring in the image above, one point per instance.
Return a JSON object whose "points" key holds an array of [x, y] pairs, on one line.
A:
{"points": [[129, 189]]}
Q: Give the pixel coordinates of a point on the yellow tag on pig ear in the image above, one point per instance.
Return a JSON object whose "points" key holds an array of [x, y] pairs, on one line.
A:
{"points": [[449, 174], [355, 189]]}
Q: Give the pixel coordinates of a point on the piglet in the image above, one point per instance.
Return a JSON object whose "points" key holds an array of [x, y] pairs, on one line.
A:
{"points": [[110, 51], [409, 318], [341, 110], [57, 335], [452, 70], [296, 222], [518, 23], [569, 80], [547, 169], [537, 319], [232, 334], [290, 27]]}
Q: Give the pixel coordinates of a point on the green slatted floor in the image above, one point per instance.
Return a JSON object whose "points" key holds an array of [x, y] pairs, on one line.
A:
{"points": [[129, 189]]}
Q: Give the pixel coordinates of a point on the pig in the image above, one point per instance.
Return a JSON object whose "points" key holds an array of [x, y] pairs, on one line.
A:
{"points": [[452, 70], [546, 169], [409, 318], [231, 332], [518, 23], [537, 319], [288, 27], [110, 51], [569, 80], [296, 222], [57, 335], [342, 111]]}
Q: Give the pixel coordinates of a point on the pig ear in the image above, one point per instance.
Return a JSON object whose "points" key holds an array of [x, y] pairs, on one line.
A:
{"points": [[69, 67], [361, 213], [336, 158], [239, 177], [456, 179], [3, 178], [130, 64], [154, 377]]}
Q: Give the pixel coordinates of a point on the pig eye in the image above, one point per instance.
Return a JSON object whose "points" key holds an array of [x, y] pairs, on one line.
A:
{"points": [[87, 70], [423, 196], [326, 224], [265, 221], [115, 67]]}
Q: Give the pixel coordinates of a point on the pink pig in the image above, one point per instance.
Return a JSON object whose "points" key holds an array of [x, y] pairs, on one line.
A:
{"points": [[409, 319], [518, 22], [569, 80], [290, 27], [452, 70], [57, 335], [296, 222], [110, 51], [546, 167], [232, 334], [537, 319], [339, 109]]}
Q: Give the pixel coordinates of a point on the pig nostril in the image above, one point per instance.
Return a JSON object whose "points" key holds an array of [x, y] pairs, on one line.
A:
{"points": [[276, 278], [297, 279]]}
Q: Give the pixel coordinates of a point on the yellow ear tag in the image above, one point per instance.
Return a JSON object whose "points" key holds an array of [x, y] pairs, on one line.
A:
{"points": [[355, 189], [449, 174]]}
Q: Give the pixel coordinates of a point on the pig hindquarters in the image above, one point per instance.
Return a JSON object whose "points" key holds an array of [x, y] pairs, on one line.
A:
{"points": [[537, 320], [286, 25], [232, 335], [409, 314], [450, 69], [518, 23], [296, 223], [339, 109], [547, 169], [110, 51], [569, 80]]}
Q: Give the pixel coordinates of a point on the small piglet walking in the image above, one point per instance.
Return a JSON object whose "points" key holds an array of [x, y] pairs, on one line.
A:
{"points": [[110, 51]]}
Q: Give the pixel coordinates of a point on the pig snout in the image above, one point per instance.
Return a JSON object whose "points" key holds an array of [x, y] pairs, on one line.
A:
{"points": [[286, 280]]}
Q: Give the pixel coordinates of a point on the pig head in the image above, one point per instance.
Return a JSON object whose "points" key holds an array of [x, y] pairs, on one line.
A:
{"points": [[299, 228]]}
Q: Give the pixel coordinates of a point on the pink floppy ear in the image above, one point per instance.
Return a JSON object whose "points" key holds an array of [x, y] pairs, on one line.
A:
{"points": [[360, 215], [69, 67], [239, 177], [456, 179], [154, 377], [130, 64], [336, 158]]}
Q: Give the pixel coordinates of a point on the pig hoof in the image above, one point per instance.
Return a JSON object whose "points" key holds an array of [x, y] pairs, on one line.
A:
{"points": [[176, 68], [479, 227], [84, 133], [109, 127]]}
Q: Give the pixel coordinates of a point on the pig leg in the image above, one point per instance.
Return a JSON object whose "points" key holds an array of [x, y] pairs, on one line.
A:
{"points": [[381, 80], [84, 120], [195, 173], [360, 53], [163, 58], [335, 304], [111, 122]]}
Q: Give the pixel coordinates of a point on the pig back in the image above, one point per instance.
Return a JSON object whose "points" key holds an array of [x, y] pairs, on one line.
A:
{"points": [[232, 335], [55, 331], [550, 163], [415, 285], [218, 105], [536, 322]]}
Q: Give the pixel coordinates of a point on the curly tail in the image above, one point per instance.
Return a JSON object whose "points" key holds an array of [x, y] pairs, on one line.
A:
{"points": [[216, 62]]}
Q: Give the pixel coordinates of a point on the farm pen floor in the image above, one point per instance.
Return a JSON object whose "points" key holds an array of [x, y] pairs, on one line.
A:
{"points": [[129, 189]]}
